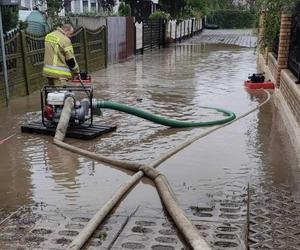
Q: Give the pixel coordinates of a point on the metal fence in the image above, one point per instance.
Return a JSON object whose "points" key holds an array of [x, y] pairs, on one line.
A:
{"points": [[294, 52], [158, 32], [275, 47], [121, 38], [25, 56], [153, 33]]}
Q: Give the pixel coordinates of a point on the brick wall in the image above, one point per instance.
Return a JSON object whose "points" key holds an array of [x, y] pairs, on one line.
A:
{"points": [[284, 43], [273, 66], [287, 93], [291, 92]]}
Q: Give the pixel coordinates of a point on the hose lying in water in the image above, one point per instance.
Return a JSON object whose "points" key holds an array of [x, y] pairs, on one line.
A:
{"points": [[184, 225], [99, 217], [229, 116], [64, 119]]}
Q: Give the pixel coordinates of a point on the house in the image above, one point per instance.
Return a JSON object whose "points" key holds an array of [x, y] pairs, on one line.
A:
{"points": [[141, 8], [81, 6], [74, 6], [32, 5], [26, 5]]}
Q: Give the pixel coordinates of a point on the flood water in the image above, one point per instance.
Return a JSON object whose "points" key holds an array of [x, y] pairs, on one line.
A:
{"points": [[174, 82]]}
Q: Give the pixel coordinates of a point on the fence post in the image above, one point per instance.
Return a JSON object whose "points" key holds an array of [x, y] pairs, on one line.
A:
{"points": [[24, 59], [85, 44], [164, 27], [105, 40], [170, 30], [134, 38], [180, 31], [261, 28], [188, 29], [143, 36], [159, 32], [176, 28], [193, 26], [151, 25], [284, 43]]}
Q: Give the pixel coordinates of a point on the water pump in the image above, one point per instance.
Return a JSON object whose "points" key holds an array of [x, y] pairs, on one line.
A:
{"points": [[52, 103], [257, 78]]}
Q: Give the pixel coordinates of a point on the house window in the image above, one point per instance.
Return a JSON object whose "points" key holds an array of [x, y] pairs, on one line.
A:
{"points": [[85, 5], [93, 6]]}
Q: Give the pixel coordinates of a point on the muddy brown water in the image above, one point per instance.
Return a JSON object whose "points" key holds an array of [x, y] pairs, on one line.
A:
{"points": [[173, 82]]}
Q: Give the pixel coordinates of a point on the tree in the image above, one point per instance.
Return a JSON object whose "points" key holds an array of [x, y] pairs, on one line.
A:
{"points": [[197, 6], [124, 9], [10, 16], [107, 5], [174, 7], [54, 7], [251, 4], [132, 5], [272, 9]]}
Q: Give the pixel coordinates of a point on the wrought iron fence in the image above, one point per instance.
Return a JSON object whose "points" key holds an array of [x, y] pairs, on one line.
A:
{"points": [[153, 33], [275, 47], [294, 52], [25, 56]]}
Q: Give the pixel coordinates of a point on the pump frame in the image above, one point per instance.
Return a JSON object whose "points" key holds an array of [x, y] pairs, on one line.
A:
{"points": [[48, 89]]}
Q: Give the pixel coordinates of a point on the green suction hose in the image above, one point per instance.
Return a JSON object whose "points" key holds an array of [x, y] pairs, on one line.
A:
{"points": [[163, 120]]}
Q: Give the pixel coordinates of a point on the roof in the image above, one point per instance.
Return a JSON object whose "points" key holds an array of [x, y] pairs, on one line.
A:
{"points": [[23, 14], [36, 21], [34, 16]]}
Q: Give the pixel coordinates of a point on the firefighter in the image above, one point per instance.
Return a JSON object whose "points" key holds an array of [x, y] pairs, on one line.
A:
{"points": [[59, 60]]}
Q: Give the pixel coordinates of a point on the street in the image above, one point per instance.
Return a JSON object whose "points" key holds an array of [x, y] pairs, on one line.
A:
{"points": [[228, 183]]}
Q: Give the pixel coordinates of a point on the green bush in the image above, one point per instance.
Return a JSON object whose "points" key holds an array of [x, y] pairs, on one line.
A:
{"points": [[196, 13], [271, 9], [232, 19], [159, 15], [124, 9]]}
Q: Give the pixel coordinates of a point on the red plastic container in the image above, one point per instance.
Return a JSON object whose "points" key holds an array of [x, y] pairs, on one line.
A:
{"points": [[86, 79], [259, 85], [83, 81]]}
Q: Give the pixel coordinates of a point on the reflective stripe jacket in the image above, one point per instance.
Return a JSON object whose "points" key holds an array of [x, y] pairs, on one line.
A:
{"points": [[58, 49]]}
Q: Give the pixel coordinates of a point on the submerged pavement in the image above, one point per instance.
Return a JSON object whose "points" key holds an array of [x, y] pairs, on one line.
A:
{"points": [[239, 185], [239, 37]]}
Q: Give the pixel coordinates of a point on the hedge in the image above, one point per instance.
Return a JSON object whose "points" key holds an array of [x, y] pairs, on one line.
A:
{"points": [[232, 19]]}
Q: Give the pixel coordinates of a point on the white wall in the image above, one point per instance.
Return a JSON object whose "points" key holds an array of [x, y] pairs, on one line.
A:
{"points": [[27, 4], [139, 35], [76, 6]]}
